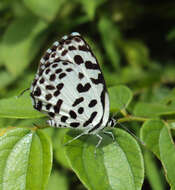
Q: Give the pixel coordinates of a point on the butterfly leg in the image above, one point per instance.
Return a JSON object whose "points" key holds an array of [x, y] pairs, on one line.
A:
{"points": [[109, 133], [78, 136], [98, 144]]}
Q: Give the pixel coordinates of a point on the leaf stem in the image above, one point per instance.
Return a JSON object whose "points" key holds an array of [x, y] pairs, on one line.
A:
{"points": [[124, 112], [131, 118]]}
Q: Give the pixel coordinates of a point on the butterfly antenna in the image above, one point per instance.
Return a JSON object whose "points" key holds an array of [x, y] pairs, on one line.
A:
{"points": [[23, 92], [126, 129], [137, 138]]}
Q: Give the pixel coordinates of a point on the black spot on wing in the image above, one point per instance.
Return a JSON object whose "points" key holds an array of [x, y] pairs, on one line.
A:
{"points": [[83, 48], [48, 106], [53, 48], [80, 75], [80, 110], [99, 80], [90, 65], [65, 63], [51, 114], [40, 72], [77, 39], [46, 56], [48, 96], [62, 75], [53, 54], [77, 101], [55, 65], [60, 47], [64, 118], [60, 86], [47, 64], [74, 124], [57, 59], [58, 106], [72, 48], [56, 93], [34, 82], [78, 59], [67, 42], [58, 71], [102, 97], [47, 71], [52, 77], [72, 114], [85, 88], [49, 87], [38, 106], [41, 81], [69, 69], [64, 52], [92, 103], [37, 92], [90, 120]]}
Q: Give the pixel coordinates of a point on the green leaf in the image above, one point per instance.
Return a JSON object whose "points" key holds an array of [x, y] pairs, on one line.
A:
{"points": [[46, 9], [167, 155], [153, 172], [21, 42], [150, 133], [120, 97], [106, 27], [171, 35], [152, 110], [90, 6], [18, 107], [58, 146], [136, 53], [116, 165], [57, 181], [26, 159], [6, 77]]}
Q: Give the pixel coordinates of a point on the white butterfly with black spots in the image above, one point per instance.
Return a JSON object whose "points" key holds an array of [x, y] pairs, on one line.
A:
{"points": [[70, 88]]}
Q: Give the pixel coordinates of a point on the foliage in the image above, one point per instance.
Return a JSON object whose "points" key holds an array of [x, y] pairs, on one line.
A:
{"points": [[134, 43]]}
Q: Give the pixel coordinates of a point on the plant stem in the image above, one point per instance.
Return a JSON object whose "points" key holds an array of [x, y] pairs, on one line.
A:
{"points": [[124, 112], [131, 118]]}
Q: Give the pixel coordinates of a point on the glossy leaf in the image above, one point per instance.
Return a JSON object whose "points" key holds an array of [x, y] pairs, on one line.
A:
{"points": [[106, 27], [91, 6], [46, 9], [19, 45], [120, 97], [18, 107], [150, 133], [57, 181], [152, 110], [136, 53], [153, 173], [167, 155], [58, 147], [26, 159], [117, 164]]}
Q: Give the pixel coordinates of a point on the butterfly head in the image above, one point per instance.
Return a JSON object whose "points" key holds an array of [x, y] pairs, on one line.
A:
{"points": [[112, 122]]}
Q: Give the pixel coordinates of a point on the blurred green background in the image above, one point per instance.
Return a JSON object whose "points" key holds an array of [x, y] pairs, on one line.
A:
{"points": [[133, 40]]}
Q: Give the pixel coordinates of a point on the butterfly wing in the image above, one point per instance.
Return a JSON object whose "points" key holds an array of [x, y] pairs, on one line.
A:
{"points": [[70, 88]]}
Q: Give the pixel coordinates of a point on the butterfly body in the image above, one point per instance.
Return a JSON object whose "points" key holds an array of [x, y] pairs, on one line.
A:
{"points": [[69, 87]]}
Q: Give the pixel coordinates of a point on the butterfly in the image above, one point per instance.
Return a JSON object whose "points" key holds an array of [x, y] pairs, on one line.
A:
{"points": [[70, 88]]}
